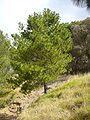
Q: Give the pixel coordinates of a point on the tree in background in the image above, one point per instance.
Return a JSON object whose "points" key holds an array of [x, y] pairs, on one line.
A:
{"points": [[41, 52], [82, 3], [4, 57], [81, 46]]}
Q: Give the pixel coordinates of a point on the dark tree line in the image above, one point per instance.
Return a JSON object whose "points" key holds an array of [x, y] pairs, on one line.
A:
{"points": [[81, 47]]}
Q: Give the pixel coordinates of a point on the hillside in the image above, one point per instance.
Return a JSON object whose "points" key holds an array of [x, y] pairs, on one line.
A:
{"points": [[11, 99], [69, 101]]}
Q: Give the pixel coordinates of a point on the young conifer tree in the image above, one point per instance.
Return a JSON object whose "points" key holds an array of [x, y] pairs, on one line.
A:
{"points": [[41, 52]]}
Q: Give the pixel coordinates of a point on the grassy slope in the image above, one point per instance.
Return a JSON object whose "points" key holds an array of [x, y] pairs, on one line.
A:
{"points": [[7, 95], [71, 101]]}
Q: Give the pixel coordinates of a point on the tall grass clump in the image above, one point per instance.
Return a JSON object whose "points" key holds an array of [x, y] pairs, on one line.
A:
{"points": [[7, 94]]}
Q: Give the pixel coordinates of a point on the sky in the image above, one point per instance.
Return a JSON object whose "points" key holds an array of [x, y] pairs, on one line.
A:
{"points": [[14, 11]]}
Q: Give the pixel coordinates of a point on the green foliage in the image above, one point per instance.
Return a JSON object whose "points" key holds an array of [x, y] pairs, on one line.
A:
{"points": [[41, 52], [6, 95], [4, 59], [4, 68]]}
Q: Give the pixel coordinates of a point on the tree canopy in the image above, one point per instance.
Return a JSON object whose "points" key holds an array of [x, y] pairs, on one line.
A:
{"points": [[82, 3], [81, 46], [41, 52]]}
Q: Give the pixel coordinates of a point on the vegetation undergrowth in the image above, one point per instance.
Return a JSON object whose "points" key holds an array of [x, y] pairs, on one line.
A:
{"points": [[70, 101], [7, 95]]}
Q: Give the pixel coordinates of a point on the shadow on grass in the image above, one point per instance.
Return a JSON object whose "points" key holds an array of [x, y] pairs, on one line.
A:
{"points": [[7, 117]]}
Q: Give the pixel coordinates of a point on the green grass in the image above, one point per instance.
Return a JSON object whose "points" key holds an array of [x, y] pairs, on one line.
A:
{"points": [[7, 94], [70, 101]]}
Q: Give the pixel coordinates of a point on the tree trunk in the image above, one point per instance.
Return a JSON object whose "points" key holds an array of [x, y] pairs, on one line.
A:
{"points": [[45, 88]]}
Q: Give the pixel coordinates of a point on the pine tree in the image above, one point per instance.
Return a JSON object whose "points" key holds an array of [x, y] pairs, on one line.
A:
{"points": [[41, 52]]}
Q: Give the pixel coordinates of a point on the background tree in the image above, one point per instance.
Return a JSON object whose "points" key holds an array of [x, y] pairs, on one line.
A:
{"points": [[41, 52], [4, 58], [82, 3], [81, 46]]}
